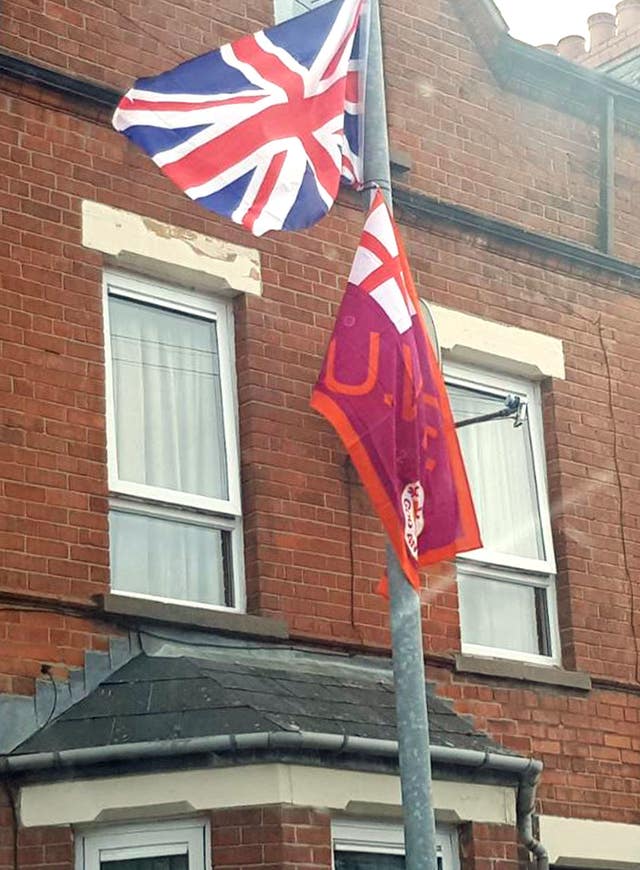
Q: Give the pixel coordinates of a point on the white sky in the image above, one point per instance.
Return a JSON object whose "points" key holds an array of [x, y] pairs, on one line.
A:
{"points": [[549, 20]]}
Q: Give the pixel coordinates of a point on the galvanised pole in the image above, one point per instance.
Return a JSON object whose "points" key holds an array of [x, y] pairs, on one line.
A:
{"points": [[406, 626], [412, 720]]}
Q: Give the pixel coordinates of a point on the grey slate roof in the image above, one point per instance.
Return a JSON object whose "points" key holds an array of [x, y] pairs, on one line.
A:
{"points": [[626, 70], [162, 697]]}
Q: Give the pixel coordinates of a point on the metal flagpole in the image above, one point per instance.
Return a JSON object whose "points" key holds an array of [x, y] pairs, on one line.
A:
{"points": [[406, 626], [412, 719]]}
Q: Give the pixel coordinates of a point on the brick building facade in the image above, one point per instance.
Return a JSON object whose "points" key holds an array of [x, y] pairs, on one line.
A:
{"points": [[145, 717]]}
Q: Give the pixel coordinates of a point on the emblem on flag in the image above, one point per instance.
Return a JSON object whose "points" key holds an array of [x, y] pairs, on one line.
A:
{"points": [[262, 129], [381, 388]]}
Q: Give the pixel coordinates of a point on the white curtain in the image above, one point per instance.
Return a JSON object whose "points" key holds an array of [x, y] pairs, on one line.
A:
{"points": [[496, 613], [167, 559], [499, 463], [169, 434], [168, 399]]}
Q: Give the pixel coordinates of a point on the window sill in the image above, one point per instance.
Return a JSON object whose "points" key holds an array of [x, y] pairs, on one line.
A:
{"points": [[230, 621], [512, 670]]}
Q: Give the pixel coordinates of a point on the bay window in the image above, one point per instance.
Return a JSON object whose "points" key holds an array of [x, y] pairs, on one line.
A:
{"points": [[372, 845], [168, 845]]}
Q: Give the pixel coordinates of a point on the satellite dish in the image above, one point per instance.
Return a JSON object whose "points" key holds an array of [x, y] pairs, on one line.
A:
{"points": [[431, 329]]}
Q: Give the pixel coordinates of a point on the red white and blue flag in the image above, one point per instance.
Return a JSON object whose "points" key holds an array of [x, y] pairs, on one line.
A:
{"points": [[263, 129]]}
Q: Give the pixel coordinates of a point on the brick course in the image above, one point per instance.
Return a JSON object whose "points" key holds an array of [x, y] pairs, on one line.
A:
{"points": [[43, 848], [272, 838], [488, 847]]}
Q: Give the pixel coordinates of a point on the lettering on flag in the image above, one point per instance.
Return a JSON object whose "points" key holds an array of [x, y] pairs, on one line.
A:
{"points": [[381, 388], [263, 129]]}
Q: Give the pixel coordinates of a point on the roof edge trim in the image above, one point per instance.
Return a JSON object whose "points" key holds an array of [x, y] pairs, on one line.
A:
{"points": [[526, 769], [71, 86], [421, 208]]}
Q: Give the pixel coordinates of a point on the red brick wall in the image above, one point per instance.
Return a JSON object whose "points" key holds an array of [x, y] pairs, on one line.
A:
{"points": [[6, 834], [42, 848], [472, 144], [31, 638], [613, 49], [627, 191], [587, 741], [584, 482], [272, 838], [269, 838], [489, 847], [479, 146], [131, 38], [294, 486]]}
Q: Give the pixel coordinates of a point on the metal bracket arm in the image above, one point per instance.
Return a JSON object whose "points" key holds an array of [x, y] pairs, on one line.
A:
{"points": [[514, 407]]}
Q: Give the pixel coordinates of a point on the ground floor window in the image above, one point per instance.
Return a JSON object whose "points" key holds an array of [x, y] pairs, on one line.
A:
{"points": [[169, 845], [370, 845]]}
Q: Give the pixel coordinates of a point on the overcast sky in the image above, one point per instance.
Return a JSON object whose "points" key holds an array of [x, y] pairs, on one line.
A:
{"points": [[549, 20]]}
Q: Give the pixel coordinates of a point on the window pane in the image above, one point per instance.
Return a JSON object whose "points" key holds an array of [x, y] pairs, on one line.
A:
{"points": [[168, 558], [368, 861], [373, 861], [499, 463], [170, 862], [168, 399], [503, 615]]}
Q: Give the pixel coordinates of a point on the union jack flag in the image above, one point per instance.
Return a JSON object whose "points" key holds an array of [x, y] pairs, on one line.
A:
{"points": [[262, 129]]}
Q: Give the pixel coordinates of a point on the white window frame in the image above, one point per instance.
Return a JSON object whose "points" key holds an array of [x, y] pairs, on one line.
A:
{"points": [[493, 565], [387, 838], [159, 502], [189, 837]]}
